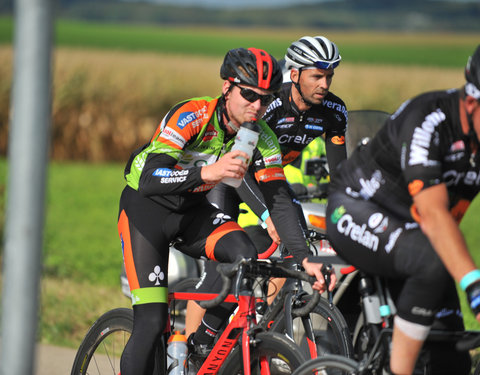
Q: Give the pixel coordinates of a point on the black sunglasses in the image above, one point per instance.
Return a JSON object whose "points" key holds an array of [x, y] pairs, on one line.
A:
{"points": [[252, 96]]}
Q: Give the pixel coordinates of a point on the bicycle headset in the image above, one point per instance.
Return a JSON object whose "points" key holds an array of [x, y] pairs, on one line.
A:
{"points": [[311, 52]]}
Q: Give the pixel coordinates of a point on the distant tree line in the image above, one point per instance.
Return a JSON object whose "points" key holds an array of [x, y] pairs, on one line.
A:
{"points": [[408, 15]]}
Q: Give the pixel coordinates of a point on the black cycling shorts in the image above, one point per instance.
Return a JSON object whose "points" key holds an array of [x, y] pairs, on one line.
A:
{"points": [[147, 228], [372, 239]]}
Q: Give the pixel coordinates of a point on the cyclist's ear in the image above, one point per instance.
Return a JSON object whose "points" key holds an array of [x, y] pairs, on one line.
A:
{"points": [[294, 75]]}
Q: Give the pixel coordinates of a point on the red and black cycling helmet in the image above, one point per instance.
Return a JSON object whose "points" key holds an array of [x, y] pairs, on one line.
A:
{"points": [[253, 67], [472, 75]]}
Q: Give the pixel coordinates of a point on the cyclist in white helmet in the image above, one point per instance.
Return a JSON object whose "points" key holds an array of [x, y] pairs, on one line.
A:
{"points": [[304, 109]]}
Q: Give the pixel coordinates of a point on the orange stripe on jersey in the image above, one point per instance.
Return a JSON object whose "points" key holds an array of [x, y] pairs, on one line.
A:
{"points": [[186, 122], [124, 231], [270, 174], [289, 157], [217, 234]]}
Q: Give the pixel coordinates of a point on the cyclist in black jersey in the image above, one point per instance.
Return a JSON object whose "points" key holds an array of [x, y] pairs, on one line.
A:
{"points": [[303, 110], [167, 182], [394, 207]]}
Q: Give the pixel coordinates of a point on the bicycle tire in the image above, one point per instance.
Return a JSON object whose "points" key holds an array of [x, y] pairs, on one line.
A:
{"points": [[109, 335], [283, 355], [331, 331], [329, 364]]}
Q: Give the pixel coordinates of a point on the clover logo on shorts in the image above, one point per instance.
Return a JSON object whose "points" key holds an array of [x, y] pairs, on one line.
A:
{"points": [[156, 275], [221, 218]]}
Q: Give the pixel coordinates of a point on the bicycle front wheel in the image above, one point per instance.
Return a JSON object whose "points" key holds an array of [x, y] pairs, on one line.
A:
{"points": [[280, 353], [329, 364], [330, 331], [102, 347]]}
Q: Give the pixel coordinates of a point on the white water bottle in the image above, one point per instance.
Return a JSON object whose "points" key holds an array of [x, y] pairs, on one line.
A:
{"points": [[177, 352], [246, 141]]}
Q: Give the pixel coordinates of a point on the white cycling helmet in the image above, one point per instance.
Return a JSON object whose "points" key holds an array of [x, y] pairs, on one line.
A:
{"points": [[312, 52]]}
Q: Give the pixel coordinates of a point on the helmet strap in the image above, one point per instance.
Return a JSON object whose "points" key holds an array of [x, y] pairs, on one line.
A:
{"points": [[223, 103]]}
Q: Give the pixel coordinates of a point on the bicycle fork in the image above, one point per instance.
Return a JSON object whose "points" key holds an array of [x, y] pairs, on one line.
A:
{"points": [[240, 324]]}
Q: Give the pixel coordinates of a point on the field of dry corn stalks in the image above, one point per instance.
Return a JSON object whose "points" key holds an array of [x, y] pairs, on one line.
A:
{"points": [[105, 104]]}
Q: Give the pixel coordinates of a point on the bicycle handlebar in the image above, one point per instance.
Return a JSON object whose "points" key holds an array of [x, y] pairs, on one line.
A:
{"points": [[252, 268], [469, 341], [266, 254]]}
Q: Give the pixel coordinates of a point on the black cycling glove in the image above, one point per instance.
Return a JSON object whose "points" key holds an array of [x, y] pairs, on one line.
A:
{"points": [[473, 295]]}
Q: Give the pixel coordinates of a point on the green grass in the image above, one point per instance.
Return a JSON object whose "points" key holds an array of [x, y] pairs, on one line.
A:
{"points": [[81, 238], [394, 49], [469, 227]]}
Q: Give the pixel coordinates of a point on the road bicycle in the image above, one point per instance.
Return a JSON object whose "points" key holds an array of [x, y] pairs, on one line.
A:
{"points": [[323, 330], [373, 331], [243, 348]]}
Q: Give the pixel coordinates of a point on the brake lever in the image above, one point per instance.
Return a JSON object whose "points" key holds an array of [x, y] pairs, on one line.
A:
{"points": [[238, 280], [327, 270]]}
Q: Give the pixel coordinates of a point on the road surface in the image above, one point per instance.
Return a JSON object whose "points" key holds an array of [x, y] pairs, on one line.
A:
{"points": [[53, 360]]}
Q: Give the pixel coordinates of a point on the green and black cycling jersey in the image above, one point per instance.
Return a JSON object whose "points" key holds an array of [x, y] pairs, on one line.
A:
{"points": [[168, 169]]}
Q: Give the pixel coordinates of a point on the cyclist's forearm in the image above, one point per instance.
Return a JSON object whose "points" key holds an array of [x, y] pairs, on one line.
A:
{"points": [[443, 232], [286, 218], [250, 193], [159, 177]]}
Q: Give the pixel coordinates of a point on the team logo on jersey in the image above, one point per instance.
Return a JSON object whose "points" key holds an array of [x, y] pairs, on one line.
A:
{"points": [[210, 133], [274, 159], [338, 140], [378, 222], [454, 177], [298, 139], [314, 127], [392, 240], [357, 233], [171, 135], [457, 146], [194, 118], [169, 176], [315, 120], [336, 106], [422, 139], [221, 218], [186, 118], [415, 187], [284, 120], [369, 187], [157, 275]]}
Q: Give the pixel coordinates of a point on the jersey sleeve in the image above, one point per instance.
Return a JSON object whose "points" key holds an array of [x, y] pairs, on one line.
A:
{"points": [[270, 177], [154, 170], [335, 146]]}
